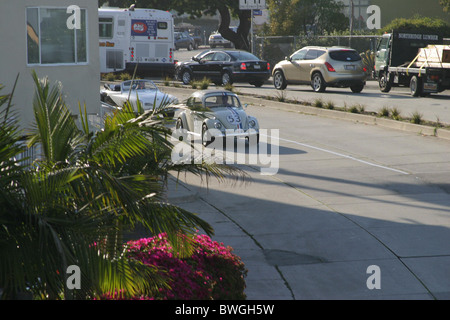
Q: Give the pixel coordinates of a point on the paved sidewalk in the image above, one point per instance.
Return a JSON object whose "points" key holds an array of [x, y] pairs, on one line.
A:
{"points": [[263, 281], [284, 266]]}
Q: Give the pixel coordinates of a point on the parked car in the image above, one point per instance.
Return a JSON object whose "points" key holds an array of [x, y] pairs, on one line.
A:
{"points": [[216, 40], [184, 40], [214, 114], [197, 36], [224, 67], [145, 90], [321, 67]]}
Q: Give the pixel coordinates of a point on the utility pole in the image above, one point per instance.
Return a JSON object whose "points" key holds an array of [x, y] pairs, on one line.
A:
{"points": [[252, 36], [352, 10]]}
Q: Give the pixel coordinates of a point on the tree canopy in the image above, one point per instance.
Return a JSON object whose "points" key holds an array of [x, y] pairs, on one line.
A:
{"points": [[446, 5], [419, 24], [294, 17]]}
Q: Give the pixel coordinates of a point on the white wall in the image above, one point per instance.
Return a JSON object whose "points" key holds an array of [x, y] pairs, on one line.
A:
{"points": [[80, 82]]}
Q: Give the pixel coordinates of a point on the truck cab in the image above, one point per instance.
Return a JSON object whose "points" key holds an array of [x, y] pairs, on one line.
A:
{"points": [[396, 63], [382, 54]]}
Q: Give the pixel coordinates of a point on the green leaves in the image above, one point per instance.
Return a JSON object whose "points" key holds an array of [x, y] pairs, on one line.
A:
{"points": [[55, 128], [72, 205]]}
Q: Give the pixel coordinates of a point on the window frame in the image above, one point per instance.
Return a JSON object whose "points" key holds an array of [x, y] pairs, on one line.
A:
{"points": [[162, 25], [75, 39], [297, 53], [106, 23]]}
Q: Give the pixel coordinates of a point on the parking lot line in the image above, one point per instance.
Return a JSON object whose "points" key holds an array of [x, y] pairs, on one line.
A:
{"points": [[345, 156]]}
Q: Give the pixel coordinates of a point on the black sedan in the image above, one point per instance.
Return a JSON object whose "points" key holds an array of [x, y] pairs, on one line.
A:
{"points": [[224, 67]]}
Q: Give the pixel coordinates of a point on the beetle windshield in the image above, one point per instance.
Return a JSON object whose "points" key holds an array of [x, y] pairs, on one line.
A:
{"points": [[138, 85], [222, 100]]}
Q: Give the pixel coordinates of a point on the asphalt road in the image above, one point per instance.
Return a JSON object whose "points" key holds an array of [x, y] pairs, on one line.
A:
{"points": [[345, 198], [436, 107]]}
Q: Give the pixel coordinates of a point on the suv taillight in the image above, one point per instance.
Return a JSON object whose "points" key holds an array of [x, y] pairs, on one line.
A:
{"points": [[329, 67]]}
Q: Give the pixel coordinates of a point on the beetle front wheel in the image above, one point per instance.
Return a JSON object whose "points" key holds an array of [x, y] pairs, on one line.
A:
{"points": [[207, 139]]}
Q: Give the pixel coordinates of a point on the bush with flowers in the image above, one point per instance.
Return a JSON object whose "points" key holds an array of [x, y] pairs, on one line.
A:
{"points": [[212, 271]]}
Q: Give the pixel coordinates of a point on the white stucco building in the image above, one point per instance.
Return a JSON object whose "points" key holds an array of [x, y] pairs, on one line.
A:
{"points": [[56, 42]]}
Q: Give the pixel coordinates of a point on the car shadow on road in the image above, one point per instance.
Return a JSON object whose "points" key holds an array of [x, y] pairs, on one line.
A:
{"points": [[278, 220], [415, 192]]}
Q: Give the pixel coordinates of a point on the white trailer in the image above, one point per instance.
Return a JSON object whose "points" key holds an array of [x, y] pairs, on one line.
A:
{"points": [[130, 37]]}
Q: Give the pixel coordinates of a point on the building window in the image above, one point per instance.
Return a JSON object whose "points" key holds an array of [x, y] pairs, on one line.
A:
{"points": [[105, 28], [50, 41]]}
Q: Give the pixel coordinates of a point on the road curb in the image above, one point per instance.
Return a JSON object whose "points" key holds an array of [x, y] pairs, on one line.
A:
{"points": [[339, 115]]}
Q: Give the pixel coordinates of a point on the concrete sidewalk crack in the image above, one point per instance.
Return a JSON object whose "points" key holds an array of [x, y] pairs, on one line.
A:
{"points": [[286, 283]]}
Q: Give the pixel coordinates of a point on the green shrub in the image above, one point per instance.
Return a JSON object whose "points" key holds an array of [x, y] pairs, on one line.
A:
{"points": [[368, 59], [419, 24], [110, 76], [166, 81], [229, 87], [416, 118], [357, 108], [384, 112], [329, 105], [280, 95], [395, 114], [125, 76], [318, 103], [204, 84]]}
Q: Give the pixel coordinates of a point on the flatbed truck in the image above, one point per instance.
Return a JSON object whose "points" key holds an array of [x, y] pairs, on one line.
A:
{"points": [[396, 64]]}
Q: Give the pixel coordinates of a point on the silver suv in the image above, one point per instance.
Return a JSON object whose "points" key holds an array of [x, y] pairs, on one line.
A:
{"points": [[321, 67]]}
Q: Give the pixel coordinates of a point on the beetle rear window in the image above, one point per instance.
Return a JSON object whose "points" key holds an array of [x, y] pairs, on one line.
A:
{"points": [[345, 55]]}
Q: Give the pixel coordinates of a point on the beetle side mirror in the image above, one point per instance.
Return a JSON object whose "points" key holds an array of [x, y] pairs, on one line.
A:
{"points": [[287, 58]]}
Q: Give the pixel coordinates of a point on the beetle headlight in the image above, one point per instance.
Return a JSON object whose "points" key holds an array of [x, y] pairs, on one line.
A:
{"points": [[217, 125], [252, 123]]}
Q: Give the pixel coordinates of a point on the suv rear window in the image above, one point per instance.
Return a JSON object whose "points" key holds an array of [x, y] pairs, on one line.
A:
{"points": [[345, 55]]}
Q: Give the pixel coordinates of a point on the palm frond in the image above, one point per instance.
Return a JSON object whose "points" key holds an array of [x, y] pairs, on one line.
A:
{"points": [[55, 127]]}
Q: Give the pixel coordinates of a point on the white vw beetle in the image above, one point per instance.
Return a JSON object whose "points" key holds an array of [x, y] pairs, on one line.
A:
{"points": [[215, 114], [145, 90]]}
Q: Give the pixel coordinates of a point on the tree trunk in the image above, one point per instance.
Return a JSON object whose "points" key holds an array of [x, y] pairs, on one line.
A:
{"points": [[239, 39]]}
